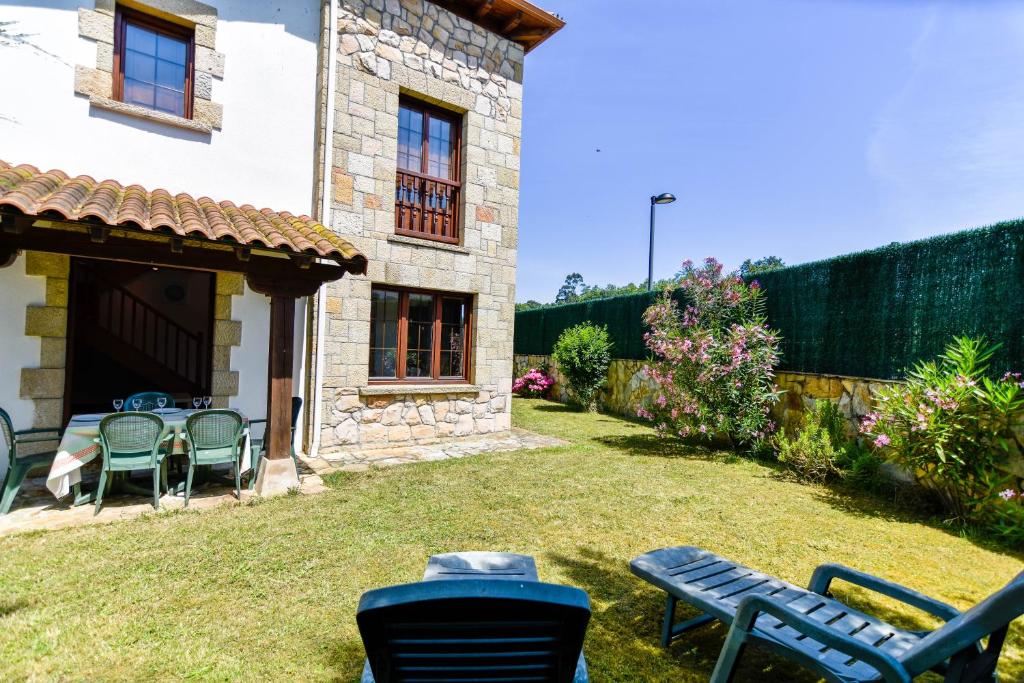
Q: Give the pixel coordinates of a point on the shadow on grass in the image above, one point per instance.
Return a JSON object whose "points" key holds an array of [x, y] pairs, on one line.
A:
{"points": [[625, 631], [553, 407], [9, 606], [901, 506], [347, 659], [652, 445]]}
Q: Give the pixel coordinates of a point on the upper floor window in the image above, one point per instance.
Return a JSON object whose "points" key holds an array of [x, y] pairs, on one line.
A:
{"points": [[153, 63], [427, 184]]}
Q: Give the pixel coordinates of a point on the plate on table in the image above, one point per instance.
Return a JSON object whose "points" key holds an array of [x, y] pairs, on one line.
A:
{"points": [[166, 411], [88, 417]]}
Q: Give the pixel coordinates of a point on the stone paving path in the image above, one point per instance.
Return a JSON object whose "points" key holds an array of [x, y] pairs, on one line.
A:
{"points": [[35, 507], [358, 460]]}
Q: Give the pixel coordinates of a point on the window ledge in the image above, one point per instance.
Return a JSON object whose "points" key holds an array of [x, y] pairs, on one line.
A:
{"points": [[149, 114], [443, 246], [404, 389]]}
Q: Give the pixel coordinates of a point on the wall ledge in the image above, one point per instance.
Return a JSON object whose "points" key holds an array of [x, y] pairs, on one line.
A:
{"points": [[410, 389]]}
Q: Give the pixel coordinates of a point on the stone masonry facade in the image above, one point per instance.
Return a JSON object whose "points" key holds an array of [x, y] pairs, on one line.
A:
{"points": [[415, 49]]}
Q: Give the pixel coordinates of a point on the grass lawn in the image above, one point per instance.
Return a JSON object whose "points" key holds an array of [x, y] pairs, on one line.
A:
{"points": [[269, 590]]}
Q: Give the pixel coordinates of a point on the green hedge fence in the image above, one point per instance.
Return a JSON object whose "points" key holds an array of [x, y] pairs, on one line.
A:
{"points": [[869, 314]]}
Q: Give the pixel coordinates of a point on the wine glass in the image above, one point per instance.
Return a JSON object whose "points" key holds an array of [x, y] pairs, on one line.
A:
{"points": [[197, 401], [136, 404], [207, 400], [161, 402], [118, 404]]}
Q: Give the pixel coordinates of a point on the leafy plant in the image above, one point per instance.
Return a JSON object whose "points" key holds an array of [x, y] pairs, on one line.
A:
{"points": [[714, 359], [950, 425], [816, 450], [583, 354], [767, 264], [533, 384]]}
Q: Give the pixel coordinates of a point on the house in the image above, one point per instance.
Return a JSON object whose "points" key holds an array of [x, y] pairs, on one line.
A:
{"points": [[158, 171]]}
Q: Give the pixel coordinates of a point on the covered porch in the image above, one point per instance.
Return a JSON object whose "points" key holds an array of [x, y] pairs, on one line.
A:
{"points": [[54, 225]]}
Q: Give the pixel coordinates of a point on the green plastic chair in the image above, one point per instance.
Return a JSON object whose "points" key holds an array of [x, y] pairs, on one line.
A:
{"points": [[20, 463], [132, 441], [148, 399], [214, 437], [256, 450]]}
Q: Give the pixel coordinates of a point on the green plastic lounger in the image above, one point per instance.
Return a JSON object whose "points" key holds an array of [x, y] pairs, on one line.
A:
{"points": [[836, 641], [475, 617]]}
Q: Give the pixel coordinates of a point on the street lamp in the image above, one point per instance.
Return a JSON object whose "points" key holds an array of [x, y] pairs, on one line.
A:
{"points": [[663, 198]]}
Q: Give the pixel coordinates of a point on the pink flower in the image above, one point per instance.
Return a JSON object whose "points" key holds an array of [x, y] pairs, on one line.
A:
{"points": [[881, 441], [1008, 494]]}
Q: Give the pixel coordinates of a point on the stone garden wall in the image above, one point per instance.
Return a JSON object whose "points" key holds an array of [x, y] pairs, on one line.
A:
{"points": [[627, 388]]}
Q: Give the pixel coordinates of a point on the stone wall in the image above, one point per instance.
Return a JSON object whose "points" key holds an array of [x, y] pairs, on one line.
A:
{"points": [[413, 48], [417, 417], [628, 388]]}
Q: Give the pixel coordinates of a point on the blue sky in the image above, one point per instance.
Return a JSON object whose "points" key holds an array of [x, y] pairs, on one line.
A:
{"points": [[800, 128]]}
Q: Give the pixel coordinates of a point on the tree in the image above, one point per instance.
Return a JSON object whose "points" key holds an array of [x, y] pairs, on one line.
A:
{"points": [[571, 289], [529, 305], [750, 268]]}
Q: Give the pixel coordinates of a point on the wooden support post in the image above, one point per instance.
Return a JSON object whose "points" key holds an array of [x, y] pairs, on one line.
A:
{"points": [[279, 377], [277, 473]]}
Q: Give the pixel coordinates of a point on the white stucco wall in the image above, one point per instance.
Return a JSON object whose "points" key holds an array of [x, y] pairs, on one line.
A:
{"points": [[250, 359], [17, 291], [263, 154]]}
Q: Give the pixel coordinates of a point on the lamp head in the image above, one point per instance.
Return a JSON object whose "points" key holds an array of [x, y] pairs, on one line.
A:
{"points": [[663, 198]]}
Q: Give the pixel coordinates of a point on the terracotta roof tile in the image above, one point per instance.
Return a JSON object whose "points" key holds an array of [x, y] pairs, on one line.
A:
{"points": [[82, 198]]}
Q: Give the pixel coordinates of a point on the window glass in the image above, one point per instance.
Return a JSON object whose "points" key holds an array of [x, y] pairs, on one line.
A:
{"points": [[440, 148], [410, 139], [384, 334], [418, 335], [420, 348], [154, 66], [453, 342]]}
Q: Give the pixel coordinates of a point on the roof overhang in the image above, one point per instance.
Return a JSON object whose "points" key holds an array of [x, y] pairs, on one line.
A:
{"points": [[79, 216], [517, 20]]}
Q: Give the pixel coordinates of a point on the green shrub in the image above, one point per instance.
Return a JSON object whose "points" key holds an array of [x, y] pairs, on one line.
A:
{"points": [[817, 448], [583, 354], [950, 425]]}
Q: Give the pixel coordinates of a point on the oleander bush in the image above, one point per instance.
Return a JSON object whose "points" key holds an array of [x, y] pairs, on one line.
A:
{"points": [[714, 360], [951, 426]]}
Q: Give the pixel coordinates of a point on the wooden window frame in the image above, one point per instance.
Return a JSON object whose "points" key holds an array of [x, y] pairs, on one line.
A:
{"points": [[124, 16], [435, 360], [455, 162]]}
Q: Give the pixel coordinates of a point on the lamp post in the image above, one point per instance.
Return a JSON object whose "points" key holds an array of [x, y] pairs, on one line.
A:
{"points": [[663, 198]]}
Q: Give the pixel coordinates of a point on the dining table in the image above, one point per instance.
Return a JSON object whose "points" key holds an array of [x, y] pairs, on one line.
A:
{"points": [[80, 445]]}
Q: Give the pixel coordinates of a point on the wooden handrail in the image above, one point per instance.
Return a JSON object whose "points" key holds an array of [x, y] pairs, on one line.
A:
{"points": [[137, 323], [426, 207], [424, 176]]}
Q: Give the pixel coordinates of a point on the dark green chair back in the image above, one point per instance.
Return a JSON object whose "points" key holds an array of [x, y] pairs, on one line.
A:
{"points": [[988, 619], [214, 436], [148, 399], [474, 629], [7, 427], [131, 440]]}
